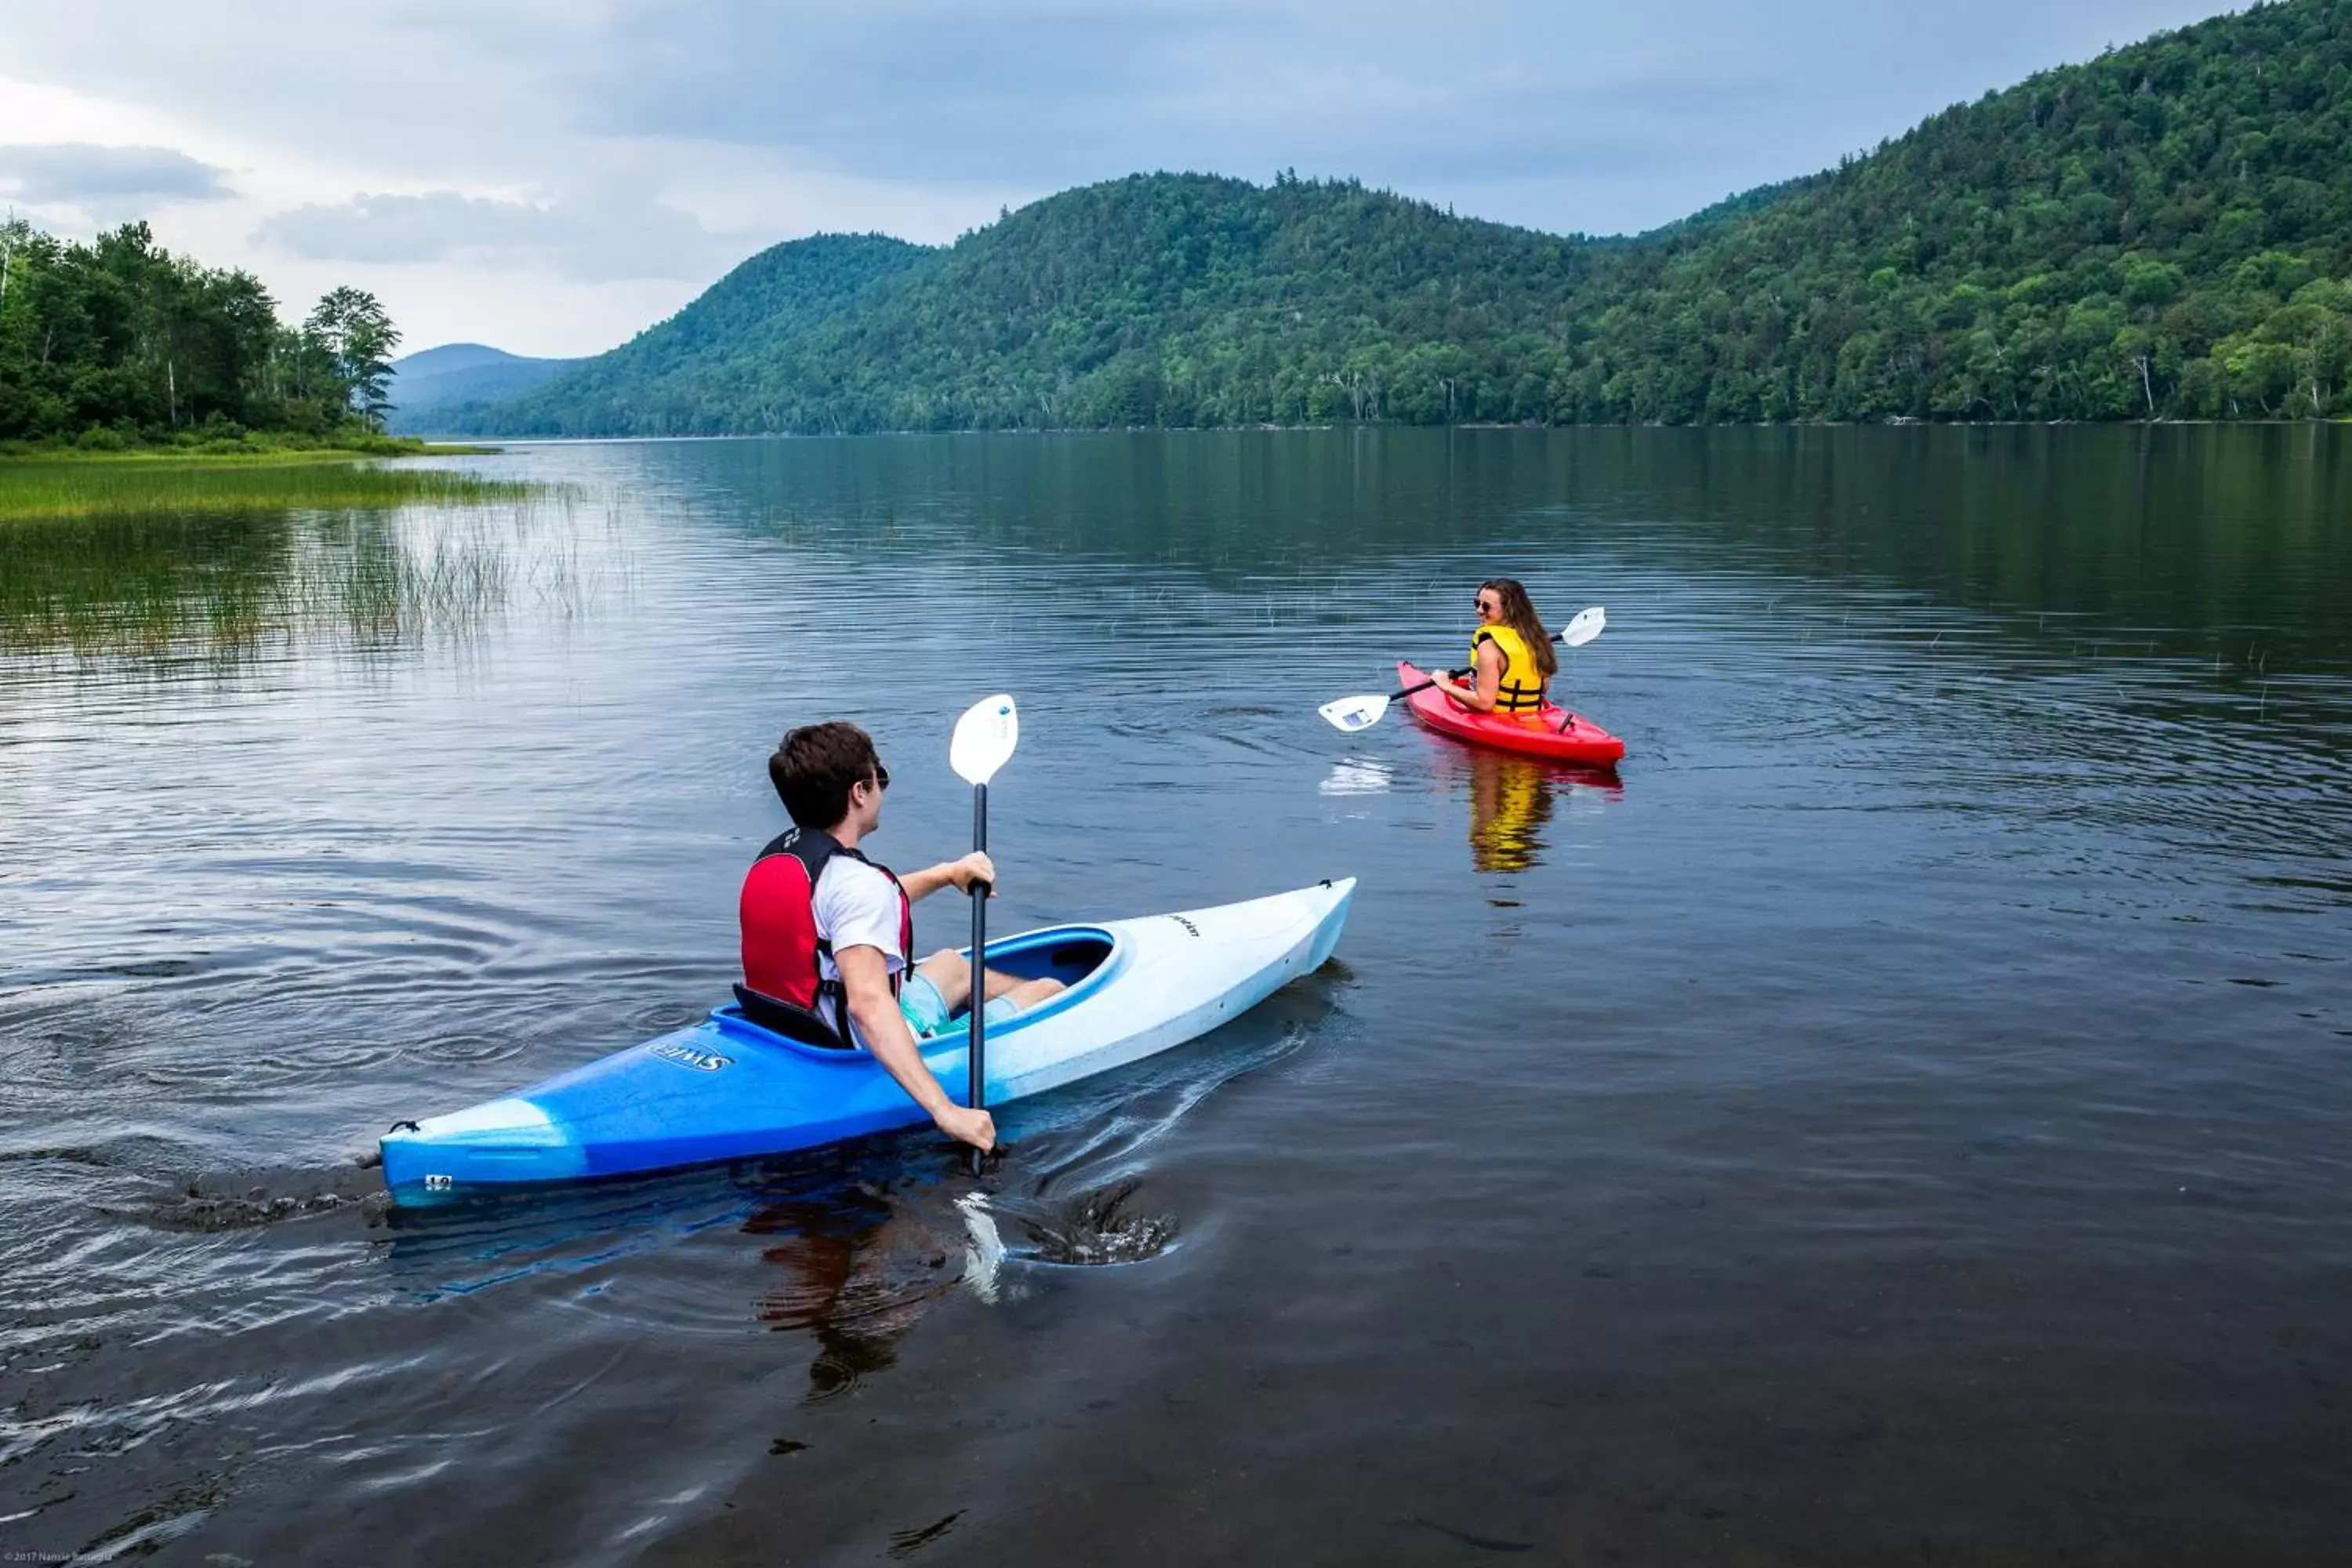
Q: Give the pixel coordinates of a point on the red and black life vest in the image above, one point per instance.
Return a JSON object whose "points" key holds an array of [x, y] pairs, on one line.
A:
{"points": [[783, 989]]}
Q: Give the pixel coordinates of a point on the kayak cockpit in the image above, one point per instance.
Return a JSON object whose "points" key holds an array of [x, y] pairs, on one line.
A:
{"points": [[1071, 954], [1081, 957]]}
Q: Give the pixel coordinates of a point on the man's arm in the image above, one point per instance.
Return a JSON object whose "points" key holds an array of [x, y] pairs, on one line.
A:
{"points": [[866, 981], [958, 874]]}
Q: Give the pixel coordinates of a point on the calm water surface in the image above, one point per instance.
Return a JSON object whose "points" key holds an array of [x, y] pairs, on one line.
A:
{"points": [[1902, 1116]]}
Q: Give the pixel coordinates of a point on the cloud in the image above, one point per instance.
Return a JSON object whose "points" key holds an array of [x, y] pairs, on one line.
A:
{"points": [[1478, 95], [582, 238], [510, 125], [105, 181], [922, 90]]}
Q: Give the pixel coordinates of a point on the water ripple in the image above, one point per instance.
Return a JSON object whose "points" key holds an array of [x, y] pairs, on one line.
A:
{"points": [[1960, 967]]}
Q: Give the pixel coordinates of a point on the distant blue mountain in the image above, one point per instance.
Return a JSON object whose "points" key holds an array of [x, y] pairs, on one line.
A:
{"points": [[429, 386]]}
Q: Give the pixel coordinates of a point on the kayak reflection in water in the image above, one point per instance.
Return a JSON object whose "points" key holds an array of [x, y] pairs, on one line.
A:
{"points": [[1510, 802], [1515, 802], [856, 1276], [829, 935], [1511, 657]]}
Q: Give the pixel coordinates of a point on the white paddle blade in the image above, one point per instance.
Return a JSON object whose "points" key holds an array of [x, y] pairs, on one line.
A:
{"points": [[984, 739], [1587, 624], [1354, 713]]}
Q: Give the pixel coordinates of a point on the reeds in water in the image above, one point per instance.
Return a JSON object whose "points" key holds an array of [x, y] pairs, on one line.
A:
{"points": [[33, 490], [143, 574]]}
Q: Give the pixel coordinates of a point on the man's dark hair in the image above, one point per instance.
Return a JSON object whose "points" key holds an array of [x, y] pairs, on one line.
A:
{"points": [[815, 766]]}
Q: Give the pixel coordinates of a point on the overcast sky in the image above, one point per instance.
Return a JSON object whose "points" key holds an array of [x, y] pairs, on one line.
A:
{"points": [[552, 176]]}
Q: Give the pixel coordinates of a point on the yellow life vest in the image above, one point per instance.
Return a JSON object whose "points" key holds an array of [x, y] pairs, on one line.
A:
{"points": [[1521, 689]]}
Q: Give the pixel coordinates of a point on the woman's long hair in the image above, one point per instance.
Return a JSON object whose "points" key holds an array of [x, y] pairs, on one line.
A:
{"points": [[1520, 616]]}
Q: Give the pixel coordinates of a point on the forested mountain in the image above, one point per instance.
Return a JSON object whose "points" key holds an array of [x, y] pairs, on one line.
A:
{"points": [[2166, 230], [708, 368], [118, 341], [426, 386]]}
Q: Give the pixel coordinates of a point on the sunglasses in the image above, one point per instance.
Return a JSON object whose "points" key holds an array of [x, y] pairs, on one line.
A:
{"points": [[881, 779]]}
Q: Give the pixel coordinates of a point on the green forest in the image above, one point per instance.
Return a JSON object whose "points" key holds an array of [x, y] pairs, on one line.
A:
{"points": [[118, 344], [2165, 232]]}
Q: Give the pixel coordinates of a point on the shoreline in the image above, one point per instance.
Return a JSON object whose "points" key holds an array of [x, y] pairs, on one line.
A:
{"points": [[240, 457], [1903, 423]]}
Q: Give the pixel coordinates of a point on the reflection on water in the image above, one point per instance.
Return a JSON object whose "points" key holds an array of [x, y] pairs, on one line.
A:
{"points": [[1512, 800], [1356, 775], [1964, 1036], [852, 1245], [855, 1274], [230, 583]]}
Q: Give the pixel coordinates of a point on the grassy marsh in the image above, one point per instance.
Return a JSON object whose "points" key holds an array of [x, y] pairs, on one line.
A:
{"points": [[152, 558], [50, 488]]}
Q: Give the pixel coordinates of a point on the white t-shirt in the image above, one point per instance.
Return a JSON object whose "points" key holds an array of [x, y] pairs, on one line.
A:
{"points": [[856, 906]]}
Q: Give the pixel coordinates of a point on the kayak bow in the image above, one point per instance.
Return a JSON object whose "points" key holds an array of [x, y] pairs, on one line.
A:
{"points": [[724, 1089]]}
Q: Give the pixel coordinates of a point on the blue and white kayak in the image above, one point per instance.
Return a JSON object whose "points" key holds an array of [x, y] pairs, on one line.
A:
{"points": [[724, 1089]]}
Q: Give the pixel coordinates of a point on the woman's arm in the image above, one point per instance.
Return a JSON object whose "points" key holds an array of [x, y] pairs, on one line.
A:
{"points": [[958, 874], [1478, 699]]}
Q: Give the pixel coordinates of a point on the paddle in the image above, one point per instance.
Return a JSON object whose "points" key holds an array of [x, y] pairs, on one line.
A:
{"points": [[1353, 713], [983, 742]]}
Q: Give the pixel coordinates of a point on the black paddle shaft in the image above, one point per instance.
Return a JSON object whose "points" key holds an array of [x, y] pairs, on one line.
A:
{"points": [[1425, 685], [976, 1087]]}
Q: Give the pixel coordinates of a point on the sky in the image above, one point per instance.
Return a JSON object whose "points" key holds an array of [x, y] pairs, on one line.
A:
{"points": [[553, 176]]}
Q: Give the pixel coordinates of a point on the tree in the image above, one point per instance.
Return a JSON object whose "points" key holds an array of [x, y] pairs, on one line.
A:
{"points": [[350, 328], [119, 334]]}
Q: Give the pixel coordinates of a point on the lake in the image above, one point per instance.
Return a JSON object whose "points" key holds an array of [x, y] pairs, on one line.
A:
{"points": [[1901, 1115]]}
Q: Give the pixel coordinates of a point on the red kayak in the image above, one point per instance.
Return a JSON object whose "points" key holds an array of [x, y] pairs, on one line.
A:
{"points": [[1562, 735]]}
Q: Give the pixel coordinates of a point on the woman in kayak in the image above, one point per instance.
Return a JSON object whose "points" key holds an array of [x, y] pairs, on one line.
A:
{"points": [[1511, 658]]}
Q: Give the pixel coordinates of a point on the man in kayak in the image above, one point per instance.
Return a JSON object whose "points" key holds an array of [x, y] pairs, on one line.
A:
{"points": [[829, 935], [1511, 658]]}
